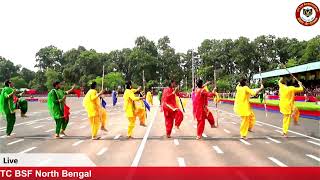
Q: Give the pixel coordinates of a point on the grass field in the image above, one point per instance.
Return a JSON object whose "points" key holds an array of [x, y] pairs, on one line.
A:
{"points": [[311, 106]]}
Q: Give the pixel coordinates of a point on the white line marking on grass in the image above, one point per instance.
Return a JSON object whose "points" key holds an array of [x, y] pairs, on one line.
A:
{"points": [[279, 163], [226, 131], [38, 127], [143, 143], [176, 142], [217, 149], [313, 157], [27, 150], [50, 130], [274, 140], [77, 143], [181, 162], [117, 136], [102, 151], [15, 142], [313, 143], [245, 142]]}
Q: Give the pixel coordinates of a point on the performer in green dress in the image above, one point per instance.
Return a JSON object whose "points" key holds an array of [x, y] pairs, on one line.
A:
{"points": [[7, 105], [58, 108]]}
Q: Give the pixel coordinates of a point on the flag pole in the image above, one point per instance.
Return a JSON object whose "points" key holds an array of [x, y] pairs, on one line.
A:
{"points": [[263, 95], [215, 84]]}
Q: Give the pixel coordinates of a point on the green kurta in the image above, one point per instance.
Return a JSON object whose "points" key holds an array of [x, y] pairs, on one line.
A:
{"points": [[56, 108], [7, 108]]}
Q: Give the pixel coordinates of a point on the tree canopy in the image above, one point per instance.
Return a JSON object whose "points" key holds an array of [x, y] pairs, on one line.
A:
{"points": [[231, 58]]}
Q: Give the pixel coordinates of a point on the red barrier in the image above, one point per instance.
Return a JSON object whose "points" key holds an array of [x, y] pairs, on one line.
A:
{"points": [[160, 173], [296, 98]]}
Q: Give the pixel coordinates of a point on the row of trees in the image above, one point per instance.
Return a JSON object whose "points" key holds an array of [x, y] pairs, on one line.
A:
{"points": [[232, 59]]}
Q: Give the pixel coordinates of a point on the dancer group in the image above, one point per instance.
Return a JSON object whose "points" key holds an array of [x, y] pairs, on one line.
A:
{"points": [[136, 104]]}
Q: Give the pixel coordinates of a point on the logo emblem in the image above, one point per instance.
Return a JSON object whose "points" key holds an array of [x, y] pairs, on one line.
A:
{"points": [[307, 14]]}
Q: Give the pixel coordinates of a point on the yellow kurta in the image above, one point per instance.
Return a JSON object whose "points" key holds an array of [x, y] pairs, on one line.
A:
{"points": [[242, 105], [140, 111], [286, 94], [149, 98], [128, 105], [91, 103]]}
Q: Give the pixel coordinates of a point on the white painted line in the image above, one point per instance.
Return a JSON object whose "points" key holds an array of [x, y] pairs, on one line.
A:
{"points": [[245, 142], [84, 119], [313, 143], [82, 127], [181, 162], [27, 150], [217, 149], [259, 124], [279, 163], [288, 130], [117, 136], [38, 127], [77, 143], [15, 142], [226, 131], [176, 142], [30, 123], [50, 130], [102, 151], [204, 135], [267, 142], [143, 142], [4, 136], [173, 131], [70, 123], [233, 122], [278, 131], [313, 157], [3, 130], [274, 140]]}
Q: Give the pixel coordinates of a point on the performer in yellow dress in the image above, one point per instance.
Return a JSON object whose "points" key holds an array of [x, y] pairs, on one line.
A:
{"points": [[242, 107], [91, 102], [286, 104], [140, 112], [149, 97], [129, 106]]}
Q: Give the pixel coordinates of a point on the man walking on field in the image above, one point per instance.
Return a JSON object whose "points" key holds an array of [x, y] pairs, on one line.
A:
{"points": [[286, 104], [242, 107]]}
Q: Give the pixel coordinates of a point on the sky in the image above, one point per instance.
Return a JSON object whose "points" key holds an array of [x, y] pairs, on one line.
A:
{"points": [[105, 25]]}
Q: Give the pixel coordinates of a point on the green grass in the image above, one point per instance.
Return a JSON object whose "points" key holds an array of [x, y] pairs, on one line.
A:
{"points": [[310, 106]]}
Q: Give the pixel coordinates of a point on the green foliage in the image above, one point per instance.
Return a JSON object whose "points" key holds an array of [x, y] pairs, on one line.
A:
{"points": [[231, 58], [51, 77], [19, 82]]}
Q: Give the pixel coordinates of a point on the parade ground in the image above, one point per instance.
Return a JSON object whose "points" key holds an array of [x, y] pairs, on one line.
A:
{"points": [[219, 147]]}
